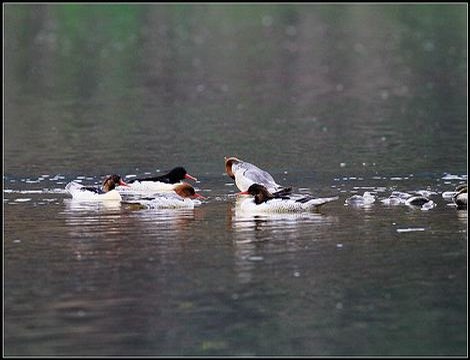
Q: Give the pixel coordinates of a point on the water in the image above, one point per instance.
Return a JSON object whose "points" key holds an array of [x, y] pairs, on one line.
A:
{"points": [[333, 100]]}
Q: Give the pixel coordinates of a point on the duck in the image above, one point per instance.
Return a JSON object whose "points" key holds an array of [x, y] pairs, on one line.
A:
{"points": [[421, 202], [182, 196], [460, 198], [246, 174], [396, 198], [360, 200], [166, 182], [265, 201], [90, 193]]}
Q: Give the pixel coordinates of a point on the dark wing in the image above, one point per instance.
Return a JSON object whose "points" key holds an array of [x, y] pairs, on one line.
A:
{"points": [[283, 192], [304, 199], [163, 178], [92, 189]]}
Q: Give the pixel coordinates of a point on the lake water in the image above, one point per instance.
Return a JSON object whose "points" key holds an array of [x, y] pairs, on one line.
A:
{"points": [[330, 99]]}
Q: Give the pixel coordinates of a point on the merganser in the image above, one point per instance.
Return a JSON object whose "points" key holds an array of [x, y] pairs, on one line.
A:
{"points": [[360, 200], [399, 198], [90, 193], [246, 174], [166, 182], [460, 198], [396, 198], [420, 201], [265, 201], [183, 196]]}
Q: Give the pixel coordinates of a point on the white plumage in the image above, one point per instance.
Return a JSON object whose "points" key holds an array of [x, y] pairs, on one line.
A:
{"points": [[166, 201], [79, 192], [183, 196], [246, 174], [147, 187], [279, 205], [265, 201]]}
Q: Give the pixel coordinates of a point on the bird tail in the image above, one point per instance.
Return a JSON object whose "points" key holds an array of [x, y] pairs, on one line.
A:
{"points": [[320, 201], [72, 187]]}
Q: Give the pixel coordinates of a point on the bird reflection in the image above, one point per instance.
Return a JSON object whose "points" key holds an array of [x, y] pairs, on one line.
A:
{"points": [[99, 219], [251, 232]]}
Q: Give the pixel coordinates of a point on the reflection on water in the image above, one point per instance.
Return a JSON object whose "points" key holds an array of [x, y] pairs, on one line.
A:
{"points": [[108, 217], [245, 222], [338, 99], [251, 229], [90, 207]]}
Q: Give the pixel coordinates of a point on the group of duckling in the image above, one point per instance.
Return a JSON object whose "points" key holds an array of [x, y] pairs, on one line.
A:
{"points": [[265, 194]]}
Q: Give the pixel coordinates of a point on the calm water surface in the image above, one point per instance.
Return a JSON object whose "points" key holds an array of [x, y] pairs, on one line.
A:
{"points": [[333, 100]]}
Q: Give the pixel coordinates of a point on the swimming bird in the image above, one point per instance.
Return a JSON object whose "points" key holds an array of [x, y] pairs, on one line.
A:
{"points": [[166, 182], [246, 174], [420, 201], [360, 200], [183, 196], [396, 198], [460, 198], [91, 193], [265, 201]]}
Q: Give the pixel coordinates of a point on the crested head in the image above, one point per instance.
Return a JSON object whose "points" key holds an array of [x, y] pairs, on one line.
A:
{"points": [[111, 181], [185, 190], [179, 173], [260, 193], [228, 165]]}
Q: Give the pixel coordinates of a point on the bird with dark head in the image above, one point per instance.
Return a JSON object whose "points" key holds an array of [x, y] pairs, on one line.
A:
{"points": [[94, 193], [260, 193], [460, 198], [172, 177], [110, 182], [265, 201], [187, 191]]}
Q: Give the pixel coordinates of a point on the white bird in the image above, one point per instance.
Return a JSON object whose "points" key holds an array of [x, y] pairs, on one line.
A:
{"points": [[421, 202], [184, 196], [246, 174], [281, 201], [90, 193], [396, 198], [162, 183], [360, 200]]}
